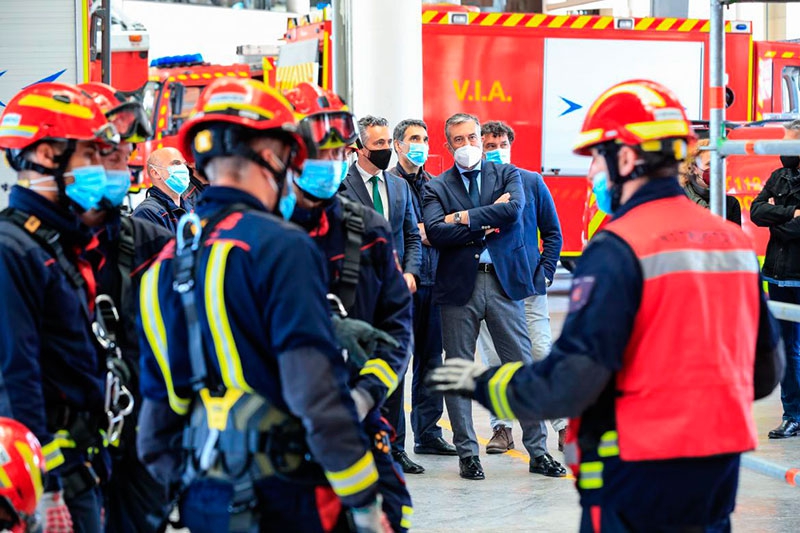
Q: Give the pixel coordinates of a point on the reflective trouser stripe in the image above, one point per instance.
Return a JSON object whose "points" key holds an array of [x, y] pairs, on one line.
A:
{"points": [[591, 475], [408, 512], [354, 479], [498, 386], [609, 445], [381, 370]]}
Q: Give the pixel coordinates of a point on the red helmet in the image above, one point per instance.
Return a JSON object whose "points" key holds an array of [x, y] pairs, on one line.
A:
{"points": [[244, 106], [326, 117], [125, 112], [21, 470], [635, 112], [54, 111]]}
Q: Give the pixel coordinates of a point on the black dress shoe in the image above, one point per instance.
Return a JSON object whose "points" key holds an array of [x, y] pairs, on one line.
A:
{"points": [[437, 446], [470, 468], [788, 428], [408, 466], [547, 466]]}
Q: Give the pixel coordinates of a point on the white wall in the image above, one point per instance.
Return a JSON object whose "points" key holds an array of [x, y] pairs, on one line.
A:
{"points": [[212, 31]]}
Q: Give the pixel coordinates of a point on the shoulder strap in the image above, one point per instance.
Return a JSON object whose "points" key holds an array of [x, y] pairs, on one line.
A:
{"points": [[126, 250], [49, 240], [185, 268], [351, 265]]}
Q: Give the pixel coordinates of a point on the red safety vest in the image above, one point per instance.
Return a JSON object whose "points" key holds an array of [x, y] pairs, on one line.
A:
{"points": [[686, 384]]}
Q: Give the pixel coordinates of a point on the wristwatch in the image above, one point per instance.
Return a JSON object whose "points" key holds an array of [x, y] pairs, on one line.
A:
{"points": [[457, 217]]}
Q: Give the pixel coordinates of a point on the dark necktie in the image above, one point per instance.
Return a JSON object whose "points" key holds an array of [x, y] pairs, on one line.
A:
{"points": [[474, 194]]}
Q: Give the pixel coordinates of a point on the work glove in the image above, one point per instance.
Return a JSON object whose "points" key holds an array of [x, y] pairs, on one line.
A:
{"points": [[54, 513], [359, 339], [456, 376], [370, 519], [364, 402]]}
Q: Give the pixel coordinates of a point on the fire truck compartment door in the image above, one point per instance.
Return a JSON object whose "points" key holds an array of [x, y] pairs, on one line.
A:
{"points": [[577, 71], [297, 62]]}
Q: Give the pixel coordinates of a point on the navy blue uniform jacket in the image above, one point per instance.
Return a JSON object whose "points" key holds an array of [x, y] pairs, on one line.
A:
{"points": [[260, 285], [539, 219], [402, 219], [460, 246], [159, 208], [48, 356], [382, 296]]}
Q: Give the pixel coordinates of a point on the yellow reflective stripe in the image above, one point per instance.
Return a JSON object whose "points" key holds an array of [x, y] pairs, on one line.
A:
{"points": [[230, 364], [224, 106], [20, 131], [609, 445], [153, 325], [408, 512], [354, 479], [591, 475], [50, 104], [381, 370], [53, 458], [33, 466], [5, 481], [498, 385]]}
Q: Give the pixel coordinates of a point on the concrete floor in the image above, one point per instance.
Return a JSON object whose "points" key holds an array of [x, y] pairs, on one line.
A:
{"points": [[512, 499]]}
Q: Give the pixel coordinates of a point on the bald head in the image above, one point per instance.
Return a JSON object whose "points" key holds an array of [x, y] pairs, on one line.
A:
{"points": [[158, 163]]}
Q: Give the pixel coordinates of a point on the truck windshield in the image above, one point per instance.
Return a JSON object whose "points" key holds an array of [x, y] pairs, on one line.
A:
{"points": [[150, 94]]}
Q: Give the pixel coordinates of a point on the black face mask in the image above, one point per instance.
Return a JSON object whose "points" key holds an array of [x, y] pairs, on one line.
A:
{"points": [[790, 161], [380, 158]]}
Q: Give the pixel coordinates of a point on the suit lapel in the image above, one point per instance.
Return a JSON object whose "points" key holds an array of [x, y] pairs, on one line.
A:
{"points": [[456, 184], [356, 185], [488, 181], [393, 197]]}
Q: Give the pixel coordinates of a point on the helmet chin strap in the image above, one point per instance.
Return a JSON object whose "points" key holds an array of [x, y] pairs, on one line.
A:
{"points": [[19, 163], [610, 151]]}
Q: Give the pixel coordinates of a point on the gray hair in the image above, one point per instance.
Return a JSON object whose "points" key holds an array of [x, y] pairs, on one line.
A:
{"points": [[460, 118], [793, 125], [368, 122], [403, 125]]}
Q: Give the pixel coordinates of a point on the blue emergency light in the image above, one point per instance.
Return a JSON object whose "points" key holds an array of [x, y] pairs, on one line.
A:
{"points": [[186, 60]]}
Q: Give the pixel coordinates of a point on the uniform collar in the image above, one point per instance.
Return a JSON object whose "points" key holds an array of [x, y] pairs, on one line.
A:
{"points": [[654, 189], [53, 215], [214, 197]]}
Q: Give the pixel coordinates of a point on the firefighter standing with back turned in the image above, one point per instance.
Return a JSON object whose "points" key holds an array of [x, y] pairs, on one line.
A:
{"points": [[664, 410], [364, 273], [241, 377]]}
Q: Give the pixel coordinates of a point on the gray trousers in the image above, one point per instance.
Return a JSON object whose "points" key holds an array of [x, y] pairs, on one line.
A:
{"points": [[505, 319]]}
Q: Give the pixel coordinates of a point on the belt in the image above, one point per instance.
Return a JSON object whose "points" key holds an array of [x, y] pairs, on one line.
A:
{"points": [[486, 267]]}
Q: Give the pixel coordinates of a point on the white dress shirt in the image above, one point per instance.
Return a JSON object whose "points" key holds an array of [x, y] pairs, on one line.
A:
{"points": [[366, 176]]}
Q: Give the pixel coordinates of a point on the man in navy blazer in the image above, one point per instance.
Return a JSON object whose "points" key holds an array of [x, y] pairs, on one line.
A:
{"points": [[539, 220], [473, 216], [368, 182]]}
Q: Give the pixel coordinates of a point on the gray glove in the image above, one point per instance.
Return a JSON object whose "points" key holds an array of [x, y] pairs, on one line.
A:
{"points": [[360, 339], [456, 376], [54, 513]]}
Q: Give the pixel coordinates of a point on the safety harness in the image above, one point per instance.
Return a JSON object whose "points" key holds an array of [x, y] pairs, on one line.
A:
{"points": [[232, 436], [84, 428], [353, 214]]}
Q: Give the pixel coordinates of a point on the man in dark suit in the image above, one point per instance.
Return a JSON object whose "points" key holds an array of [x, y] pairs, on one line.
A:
{"points": [[539, 219], [368, 182], [473, 215]]}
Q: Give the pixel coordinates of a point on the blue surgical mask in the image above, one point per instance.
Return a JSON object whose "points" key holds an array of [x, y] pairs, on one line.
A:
{"points": [[501, 155], [321, 178], [178, 179], [117, 185], [417, 153], [88, 187], [602, 193], [288, 201]]}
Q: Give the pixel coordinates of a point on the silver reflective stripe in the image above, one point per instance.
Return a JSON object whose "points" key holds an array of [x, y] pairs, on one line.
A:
{"points": [[699, 261]]}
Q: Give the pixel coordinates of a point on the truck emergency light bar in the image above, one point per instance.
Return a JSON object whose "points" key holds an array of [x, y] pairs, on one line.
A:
{"points": [[186, 60]]}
